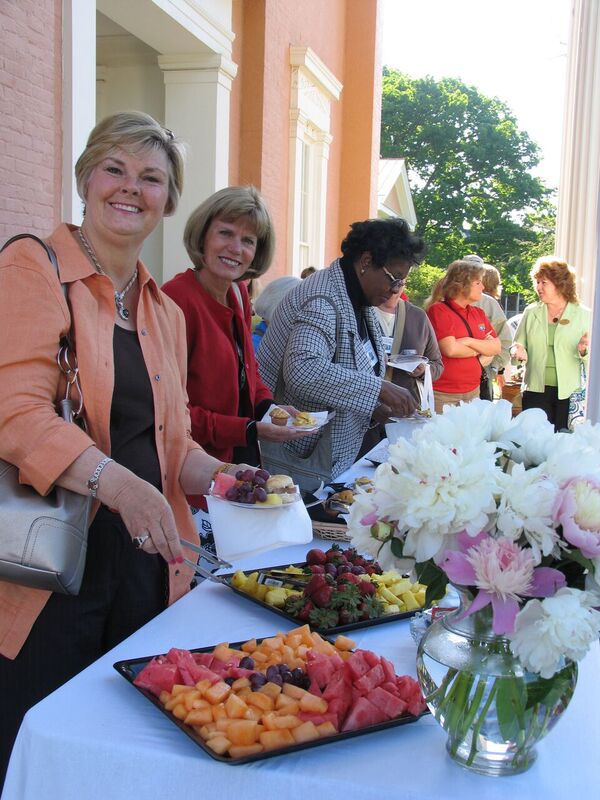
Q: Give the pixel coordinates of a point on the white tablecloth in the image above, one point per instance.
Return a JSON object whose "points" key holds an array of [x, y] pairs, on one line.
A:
{"points": [[97, 738]]}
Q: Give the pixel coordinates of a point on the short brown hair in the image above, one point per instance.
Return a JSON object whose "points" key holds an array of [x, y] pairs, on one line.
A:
{"points": [[559, 273], [491, 280], [132, 131], [229, 205], [456, 281]]}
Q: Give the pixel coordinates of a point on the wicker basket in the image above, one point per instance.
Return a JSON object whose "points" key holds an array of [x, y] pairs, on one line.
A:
{"points": [[335, 531]]}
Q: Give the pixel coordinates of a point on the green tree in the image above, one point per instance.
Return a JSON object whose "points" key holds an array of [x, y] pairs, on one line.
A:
{"points": [[420, 282], [470, 171]]}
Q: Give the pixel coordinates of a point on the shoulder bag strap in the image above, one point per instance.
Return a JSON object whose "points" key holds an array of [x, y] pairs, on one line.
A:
{"points": [[66, 358], [399, 324]]}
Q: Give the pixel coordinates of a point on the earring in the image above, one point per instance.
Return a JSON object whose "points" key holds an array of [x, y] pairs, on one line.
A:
{"points": [[362, 272]]}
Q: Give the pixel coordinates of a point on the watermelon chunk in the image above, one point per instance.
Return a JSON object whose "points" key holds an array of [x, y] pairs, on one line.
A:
{"points": [[371, 658], [357, 664], [374, 677], [362, 714], [191, 672], [388, 668], [221, 484], [410, 691], [158, 676], [203, 658], [320, 668], [317, 719], [389, 704]]}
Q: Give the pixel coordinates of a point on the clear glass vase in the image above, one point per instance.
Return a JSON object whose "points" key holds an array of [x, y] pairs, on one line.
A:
{"points": [[493, 710]]}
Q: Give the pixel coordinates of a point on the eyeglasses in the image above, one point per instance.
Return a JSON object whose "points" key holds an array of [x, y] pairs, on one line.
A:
{"points": [[395, 283]]}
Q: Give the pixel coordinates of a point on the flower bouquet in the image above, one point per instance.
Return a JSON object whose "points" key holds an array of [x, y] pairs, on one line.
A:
{"points": [[508, 511]]}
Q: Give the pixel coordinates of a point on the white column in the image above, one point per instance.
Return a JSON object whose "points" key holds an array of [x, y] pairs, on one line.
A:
{"points": [[79, 94], [321, 151], [197, 100], [576, 231]]}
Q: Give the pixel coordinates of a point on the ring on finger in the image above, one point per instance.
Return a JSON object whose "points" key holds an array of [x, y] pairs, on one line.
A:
{"points": [[139, 541]]}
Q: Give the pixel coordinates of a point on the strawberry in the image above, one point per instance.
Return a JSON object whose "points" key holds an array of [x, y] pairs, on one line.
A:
{"points": [[305, 611], [348, 577], [316, 556], [315, 583], [367, 588], [322, 597]]}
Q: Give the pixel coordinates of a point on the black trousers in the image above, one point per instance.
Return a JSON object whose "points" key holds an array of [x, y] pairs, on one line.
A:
{"points": [[122, 589], [556, 410]]}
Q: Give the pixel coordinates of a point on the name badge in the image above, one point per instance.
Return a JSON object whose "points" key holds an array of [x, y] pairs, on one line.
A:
{"points": [[371, 354], [387, 342]]}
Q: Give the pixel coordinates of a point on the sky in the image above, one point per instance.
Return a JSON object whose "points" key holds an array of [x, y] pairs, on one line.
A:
{"points": [[514, 50]]}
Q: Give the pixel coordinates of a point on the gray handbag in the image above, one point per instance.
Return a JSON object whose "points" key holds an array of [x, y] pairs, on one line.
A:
{"points": [[43, 540]]}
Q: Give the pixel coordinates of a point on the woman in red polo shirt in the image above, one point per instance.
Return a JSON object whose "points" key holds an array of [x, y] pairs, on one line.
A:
{"points": [[465, 335]]}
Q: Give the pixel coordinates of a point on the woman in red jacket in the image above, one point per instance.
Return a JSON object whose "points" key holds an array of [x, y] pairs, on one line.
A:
{"points": [[465, 335], [229, 238]]}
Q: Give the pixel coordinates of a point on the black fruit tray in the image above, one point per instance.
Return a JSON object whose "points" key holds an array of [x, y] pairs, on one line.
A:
{"points": [[130, 669], [351, 626]]}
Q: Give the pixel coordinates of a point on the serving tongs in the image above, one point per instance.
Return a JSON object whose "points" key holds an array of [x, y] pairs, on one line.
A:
{"points": [[211, 558]]}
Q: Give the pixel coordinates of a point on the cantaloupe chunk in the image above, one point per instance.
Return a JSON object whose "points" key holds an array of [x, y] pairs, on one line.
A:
{"points": [[249, 646], [281, 721], [273, 642], [310, 702], [344, 643], [172, 702], [293, 640], [219, 744], [305, 634], [190, 697], [207, 730], [223, 723], [285, 703], [292, 691], [164, 696], [218, 712], [306, 732], [271, 740], [321, 645], [326, 728], [260, 700], [259, 658], [203, 685], [222, 652], [243, 731], [235, 707], [271, 689], [241, 683], [243, 693], [218, 692], [252, 712], [181, 712], [242, 751], [198, 716], [200, 702]]}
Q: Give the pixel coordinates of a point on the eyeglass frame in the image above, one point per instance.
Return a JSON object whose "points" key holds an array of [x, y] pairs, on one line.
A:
{"points": [[395, 283]]}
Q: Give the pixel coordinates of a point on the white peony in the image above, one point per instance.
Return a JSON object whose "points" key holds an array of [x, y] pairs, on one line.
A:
{"points": [[564, 625], [529, 438], [433, 490], [525, 509], [574, 455], [477, 421]]}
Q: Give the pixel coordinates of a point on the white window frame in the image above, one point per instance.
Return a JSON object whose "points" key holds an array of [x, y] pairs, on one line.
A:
{"points": [[313, 89]]}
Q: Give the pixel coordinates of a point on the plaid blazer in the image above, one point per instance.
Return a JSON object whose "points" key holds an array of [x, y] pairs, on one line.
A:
{"points": [[312, 357]]}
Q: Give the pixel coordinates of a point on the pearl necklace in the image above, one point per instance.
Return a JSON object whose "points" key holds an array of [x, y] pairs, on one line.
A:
{"points": [[119, 296]]}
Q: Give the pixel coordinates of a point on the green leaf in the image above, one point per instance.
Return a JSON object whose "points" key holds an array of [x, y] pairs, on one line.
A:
{"points": [[511, 703], [434, 578], [397, 547]]}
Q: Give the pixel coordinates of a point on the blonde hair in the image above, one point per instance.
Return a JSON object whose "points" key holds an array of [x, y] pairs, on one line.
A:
{"points": [[132, 131], [559, 273], [455, 282], [491, 280], [229, 205]]}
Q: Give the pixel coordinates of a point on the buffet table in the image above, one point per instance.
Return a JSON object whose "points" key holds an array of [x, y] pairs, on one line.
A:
{"points": [[97, 737]]}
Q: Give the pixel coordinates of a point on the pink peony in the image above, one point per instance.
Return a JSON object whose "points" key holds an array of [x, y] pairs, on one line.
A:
{"points": [[503, 573], [578, 511]]}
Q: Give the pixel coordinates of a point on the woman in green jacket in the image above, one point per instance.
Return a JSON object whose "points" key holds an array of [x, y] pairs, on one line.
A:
{"points": [[552, 338]]}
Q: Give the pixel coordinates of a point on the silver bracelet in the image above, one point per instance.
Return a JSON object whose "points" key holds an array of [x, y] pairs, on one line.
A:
{"points": [[92, 483]]}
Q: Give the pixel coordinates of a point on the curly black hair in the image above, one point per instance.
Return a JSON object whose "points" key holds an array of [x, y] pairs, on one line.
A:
{"points": [[384, 239]]}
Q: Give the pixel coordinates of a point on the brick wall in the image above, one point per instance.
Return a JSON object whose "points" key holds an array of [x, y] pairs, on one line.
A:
{"points": [[30, 111]]}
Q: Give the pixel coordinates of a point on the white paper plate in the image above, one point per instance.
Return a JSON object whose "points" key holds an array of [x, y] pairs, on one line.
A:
{"points": [[321, 418]]}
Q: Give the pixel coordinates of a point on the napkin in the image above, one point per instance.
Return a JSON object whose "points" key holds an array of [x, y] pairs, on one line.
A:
{"points": [[241, 532]]}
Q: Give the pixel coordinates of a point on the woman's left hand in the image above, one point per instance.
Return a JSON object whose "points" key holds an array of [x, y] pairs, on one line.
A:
{"points": [[583, 344]]}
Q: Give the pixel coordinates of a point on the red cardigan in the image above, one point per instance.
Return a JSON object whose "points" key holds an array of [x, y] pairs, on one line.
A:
{"points": [[212, 379]]}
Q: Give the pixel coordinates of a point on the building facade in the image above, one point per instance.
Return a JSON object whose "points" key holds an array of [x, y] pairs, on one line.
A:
{"points": [[283, 94]]}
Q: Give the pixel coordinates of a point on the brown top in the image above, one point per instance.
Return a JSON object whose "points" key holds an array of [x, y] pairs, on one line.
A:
{"points": [[33, 316]]}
